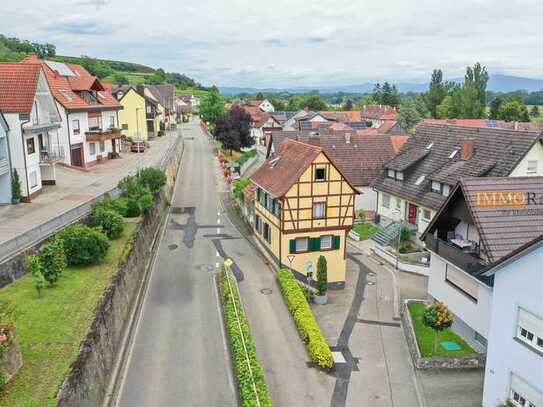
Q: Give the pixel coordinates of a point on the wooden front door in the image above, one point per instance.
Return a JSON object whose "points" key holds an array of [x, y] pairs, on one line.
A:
{"points": [[77, 155], [412, 214]]}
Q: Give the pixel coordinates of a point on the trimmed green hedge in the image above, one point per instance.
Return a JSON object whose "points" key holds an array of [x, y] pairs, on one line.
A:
{"points": [[237, 351], [305, 321]]}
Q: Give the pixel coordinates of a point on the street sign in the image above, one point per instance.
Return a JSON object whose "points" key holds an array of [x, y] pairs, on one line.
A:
{"points": [[290, 258]]}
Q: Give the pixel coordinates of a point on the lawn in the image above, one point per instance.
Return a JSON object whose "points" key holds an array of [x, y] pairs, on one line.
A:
{"points": [[365, 230], [135, 78], [425, 337], [50, 329]]}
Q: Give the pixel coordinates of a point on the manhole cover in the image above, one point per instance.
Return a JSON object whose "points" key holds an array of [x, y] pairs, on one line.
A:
{"points": [[266, 291], [172, 247]]}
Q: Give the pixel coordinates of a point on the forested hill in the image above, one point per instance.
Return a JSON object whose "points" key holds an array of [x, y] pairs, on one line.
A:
{"points": [[14, 50]]}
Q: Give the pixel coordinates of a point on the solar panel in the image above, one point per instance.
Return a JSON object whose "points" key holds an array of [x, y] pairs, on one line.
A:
{"points": [[60, 68], [306, 125], [356, 125], [492, 124]]}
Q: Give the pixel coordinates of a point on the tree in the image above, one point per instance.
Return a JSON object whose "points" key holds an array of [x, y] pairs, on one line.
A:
{"points": [[386, 94], [348, 105], [315, 102], [513, 110], [211, 107], [495, 105], [366, 101], [420, 106], [36, 271], [322, 275], [259, 96], [53, 260], [437, 317], [15, 185], [534, 112], [436, 93], [120, 79], [233, 129], [478, 78], [408, 116]]}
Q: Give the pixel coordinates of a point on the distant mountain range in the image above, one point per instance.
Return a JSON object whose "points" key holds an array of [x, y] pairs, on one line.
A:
{"points": [[496, 83]]}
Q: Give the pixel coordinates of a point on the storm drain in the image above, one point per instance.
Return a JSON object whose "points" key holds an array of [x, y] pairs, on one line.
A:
{"points": [[172, 247], [266, 291]]}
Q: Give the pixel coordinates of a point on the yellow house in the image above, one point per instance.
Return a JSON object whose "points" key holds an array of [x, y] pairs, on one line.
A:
{"points": [[132, 119], [304, 208]]}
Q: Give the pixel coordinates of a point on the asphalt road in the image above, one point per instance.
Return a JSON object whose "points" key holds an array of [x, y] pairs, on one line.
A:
{"points": [[178, 356]]}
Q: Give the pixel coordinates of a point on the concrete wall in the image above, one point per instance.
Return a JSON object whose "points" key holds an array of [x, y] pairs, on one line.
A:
{"points": [[89, 376], [516, 285], [470, 316]]}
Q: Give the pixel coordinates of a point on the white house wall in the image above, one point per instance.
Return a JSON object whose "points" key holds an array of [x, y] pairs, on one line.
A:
{"points": [[516, 285], [535, 154], [366, 199], [398, 210], [5, 179]]}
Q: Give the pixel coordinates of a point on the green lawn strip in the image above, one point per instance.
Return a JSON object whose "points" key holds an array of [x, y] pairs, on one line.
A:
{"points": [[50, 329], [365, 230], [425, 337], [308, 328], [246, 378]]}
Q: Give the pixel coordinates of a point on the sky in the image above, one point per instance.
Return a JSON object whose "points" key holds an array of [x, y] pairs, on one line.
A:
{"points": [[286, 43]]}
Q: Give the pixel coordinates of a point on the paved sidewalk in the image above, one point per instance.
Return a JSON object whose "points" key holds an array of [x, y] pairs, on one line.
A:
{"points": [[76, 187]]}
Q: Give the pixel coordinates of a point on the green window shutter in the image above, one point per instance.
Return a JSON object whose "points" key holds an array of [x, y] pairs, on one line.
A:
{"points": [[292, 246], [314, 244], [337, 242]]}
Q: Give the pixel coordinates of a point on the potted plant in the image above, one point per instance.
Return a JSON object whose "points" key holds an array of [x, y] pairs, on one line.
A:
{"points": [[15, 187], [322, 282]]}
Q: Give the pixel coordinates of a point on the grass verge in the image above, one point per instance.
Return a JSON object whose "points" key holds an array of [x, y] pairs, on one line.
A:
{"points": [[310, 332], [365, 230], [247, 368], [50, 329], [425, 337]]}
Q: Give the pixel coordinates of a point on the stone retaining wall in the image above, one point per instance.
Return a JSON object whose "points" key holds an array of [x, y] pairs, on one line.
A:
{"points": [[90, 375], [475, 362]]}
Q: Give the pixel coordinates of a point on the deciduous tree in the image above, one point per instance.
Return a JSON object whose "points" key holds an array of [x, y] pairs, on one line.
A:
{"points": [[408, 116], [211, 107]]}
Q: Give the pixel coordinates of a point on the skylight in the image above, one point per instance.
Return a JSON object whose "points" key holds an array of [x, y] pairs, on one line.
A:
{"points": [[101, 96], [274, 162], [453, 154], [420, 179], [429, 146], [66, 95]]}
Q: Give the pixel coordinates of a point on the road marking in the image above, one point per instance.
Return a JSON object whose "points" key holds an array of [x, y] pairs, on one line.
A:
{"points": [[218, 221], [217, 254], [217, 265], [218, 231]]}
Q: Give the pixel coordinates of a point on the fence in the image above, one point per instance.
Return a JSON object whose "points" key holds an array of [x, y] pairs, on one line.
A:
{"points": [[41, 232]]}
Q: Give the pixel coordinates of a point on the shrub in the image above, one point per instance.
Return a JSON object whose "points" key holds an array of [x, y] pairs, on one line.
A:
{"points": [[437, 317], [118, 205], [52, 260], [109, 221], [231, 302], [35, 269], [152, 178], [317, 346], [131, 187], [84, 245], [15, 185], [2, 381], [145, 201], [239, 186], [132, 208], [322, 275]]}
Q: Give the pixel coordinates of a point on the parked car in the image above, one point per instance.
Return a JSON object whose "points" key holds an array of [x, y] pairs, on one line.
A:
{"points": [[137, 147]]}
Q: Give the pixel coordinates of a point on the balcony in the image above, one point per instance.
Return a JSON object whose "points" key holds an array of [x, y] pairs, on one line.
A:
{"points": [[102, 135], [470, 262], [51, 154]]}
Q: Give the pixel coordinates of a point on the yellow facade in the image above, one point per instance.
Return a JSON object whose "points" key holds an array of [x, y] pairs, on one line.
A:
{"points": [[312, 219], [132, 118]]}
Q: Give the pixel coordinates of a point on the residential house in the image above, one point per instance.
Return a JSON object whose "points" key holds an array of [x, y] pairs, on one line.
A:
{"points": [[5, 162], [153, 112], [165, 95], [263, 105], [486, 253], [89, 132], [378, 114], [183, 108], [261, 123], [291, 123], [415, 183], [359, 157], [33, 141], [133, 116], [304, 208], [191, 100]]}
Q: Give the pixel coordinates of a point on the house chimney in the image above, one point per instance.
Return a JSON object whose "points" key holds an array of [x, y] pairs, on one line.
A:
{"points": [[348, 138], [516, 125], [468, 147]]}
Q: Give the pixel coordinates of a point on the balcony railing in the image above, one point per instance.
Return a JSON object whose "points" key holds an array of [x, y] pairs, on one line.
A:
{"points": [[51, 154], [468, 262]]}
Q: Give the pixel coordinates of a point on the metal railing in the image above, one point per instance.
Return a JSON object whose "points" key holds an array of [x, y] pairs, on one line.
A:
{"points": [[466, 261], [51, 153]]}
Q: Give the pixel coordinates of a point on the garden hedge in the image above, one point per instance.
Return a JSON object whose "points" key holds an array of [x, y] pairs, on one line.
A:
{"points": [[310, 332], [231, 302]]}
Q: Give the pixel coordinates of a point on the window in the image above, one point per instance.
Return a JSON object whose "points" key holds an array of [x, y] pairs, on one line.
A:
{"points": [[398, 203], [149, 110], [386, 201], [266, 234], [111, 121], [436, 187], [426, 214], [420, 179], [462, 282], [399, 175], [532, 167], [102, 146], [391, 173], [277, 210], [453, 154], [481, 339], [326, 242], [92, 148], [319, 210], [75, 126], [302, 244], [30, 146], [320, 174], [95, 122], [33, 179], [530, 329], [257, 223], [524, 394], [446, 190]]}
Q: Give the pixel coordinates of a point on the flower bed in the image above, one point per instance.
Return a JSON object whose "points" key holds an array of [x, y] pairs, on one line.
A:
{"points": [[305, 321], [247, 368]]}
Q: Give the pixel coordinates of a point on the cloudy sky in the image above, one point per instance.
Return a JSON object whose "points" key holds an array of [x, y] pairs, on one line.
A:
{"points": [[291, 42]]}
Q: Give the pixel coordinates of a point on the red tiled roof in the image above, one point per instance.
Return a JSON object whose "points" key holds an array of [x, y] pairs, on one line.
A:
{"points": [[379, 112], [65, 88], [398, 142], [285, 167], [351, 116], [18, 85]]}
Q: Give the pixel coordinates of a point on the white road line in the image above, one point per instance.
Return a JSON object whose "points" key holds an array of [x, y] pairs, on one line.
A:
{"points": [[218, 221], [218, 231], [217, 265], [217, 254]]}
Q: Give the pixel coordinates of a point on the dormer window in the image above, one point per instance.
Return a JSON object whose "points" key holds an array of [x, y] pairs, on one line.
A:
{"points": [[453, 154], [436, 187], [399, 175], [320, 174], [441, 188], [446, 190], [395, 174], [429, 146]]}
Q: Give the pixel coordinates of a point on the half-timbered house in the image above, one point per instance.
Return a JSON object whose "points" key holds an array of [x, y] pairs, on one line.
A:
{"points": [[304, 208]]}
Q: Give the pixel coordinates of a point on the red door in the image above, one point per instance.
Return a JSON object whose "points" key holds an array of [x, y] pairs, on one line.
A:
{"points": [[412, 214]]}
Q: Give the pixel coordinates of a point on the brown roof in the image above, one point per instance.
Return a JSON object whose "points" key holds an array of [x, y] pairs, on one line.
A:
{"points": [[379, 112], [398, 142], [283, 169], [65, 89], [18, 84]]}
